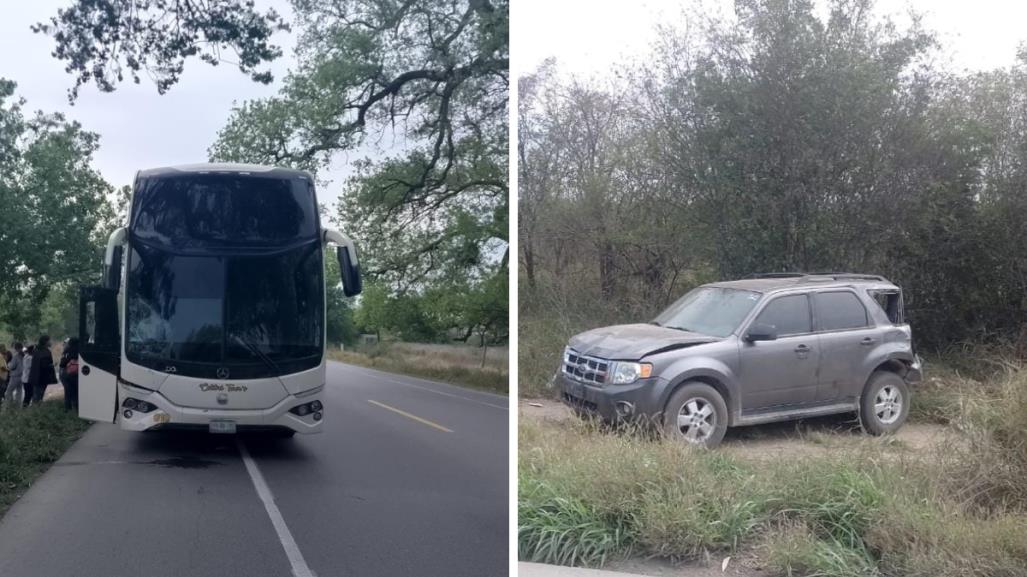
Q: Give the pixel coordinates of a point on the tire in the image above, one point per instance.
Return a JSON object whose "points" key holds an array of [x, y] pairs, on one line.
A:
{"points": [[884, 405], [703, 404]]}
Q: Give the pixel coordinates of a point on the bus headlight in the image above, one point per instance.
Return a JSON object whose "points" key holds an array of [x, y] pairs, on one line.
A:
{"points": [[136, 404], [307, 408]]}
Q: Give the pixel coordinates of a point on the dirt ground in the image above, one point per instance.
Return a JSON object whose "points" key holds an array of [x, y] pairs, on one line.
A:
{"points": [[807, 437]]}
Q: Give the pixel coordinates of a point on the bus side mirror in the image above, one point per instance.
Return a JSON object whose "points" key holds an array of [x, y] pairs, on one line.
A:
{"points": [[112, 270], [349, 268], [112, 259], [350, 273]]}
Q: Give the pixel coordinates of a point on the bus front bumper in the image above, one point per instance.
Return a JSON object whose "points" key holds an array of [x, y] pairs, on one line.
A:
{"points": [[169, 415]]}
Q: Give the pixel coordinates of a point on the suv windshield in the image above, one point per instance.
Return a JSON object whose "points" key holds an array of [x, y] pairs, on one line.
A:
{"points": [[715, 311], [200, 210]]}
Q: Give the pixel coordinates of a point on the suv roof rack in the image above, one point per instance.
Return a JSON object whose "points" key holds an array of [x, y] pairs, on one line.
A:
{"points": [[815, 275]]}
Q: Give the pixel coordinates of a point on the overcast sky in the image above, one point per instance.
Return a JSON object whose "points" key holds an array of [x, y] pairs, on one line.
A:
{"points": [[141, 129], [588, 37], [138, 128]]}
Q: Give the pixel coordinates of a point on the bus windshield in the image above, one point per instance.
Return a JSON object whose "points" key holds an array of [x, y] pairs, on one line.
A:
{"points": [[263, 310], [191, 210]]}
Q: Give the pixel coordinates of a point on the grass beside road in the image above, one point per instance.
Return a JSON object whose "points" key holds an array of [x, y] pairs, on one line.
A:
{"points": [[30, 441], [587, 496], [455, 364]]}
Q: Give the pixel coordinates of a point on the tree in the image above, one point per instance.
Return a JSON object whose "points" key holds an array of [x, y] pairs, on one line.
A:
{"points": [[430, 78], [55, 210], [785, 139], [101, 40]]}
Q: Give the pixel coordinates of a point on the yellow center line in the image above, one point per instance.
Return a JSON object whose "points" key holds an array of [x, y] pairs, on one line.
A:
{"points": [[409, 416]]}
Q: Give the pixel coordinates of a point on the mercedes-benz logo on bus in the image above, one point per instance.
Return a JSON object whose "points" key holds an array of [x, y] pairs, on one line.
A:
{"points": [[222, 373]]}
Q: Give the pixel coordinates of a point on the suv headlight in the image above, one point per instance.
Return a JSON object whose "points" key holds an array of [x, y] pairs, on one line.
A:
{"points": [[627, 373]]}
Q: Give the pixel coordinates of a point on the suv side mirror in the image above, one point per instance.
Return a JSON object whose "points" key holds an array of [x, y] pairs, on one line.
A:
{"points": [[761, 332]]}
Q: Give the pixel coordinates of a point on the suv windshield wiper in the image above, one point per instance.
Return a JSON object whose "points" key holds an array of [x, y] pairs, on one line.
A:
{"points": [[684, 329], [259, 354]]}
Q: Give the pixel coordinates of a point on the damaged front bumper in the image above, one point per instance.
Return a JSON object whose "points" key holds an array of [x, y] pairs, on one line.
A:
{"points": [[612, 403]]}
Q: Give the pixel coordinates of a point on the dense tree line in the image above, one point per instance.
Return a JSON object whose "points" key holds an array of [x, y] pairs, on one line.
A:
{"points": [[784, 139]]}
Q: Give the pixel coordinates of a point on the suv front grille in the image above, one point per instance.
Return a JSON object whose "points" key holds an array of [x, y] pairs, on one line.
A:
{"points": [[585, 369]]}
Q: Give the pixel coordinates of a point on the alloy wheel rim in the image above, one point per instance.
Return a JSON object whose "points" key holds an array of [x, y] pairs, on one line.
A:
{"points": [[697, 420], [888, 404]]}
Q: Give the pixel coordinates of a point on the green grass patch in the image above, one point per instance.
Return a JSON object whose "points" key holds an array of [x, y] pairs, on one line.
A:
{"points": [[456, 365], [30, 441], [587, 496]]}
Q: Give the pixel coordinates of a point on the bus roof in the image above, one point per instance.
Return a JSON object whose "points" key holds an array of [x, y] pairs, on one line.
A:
{"points": [[224, 168]]}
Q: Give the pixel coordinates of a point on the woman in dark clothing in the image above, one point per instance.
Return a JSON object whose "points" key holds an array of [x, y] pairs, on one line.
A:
{"points": [[69, 374], [42, 372]]}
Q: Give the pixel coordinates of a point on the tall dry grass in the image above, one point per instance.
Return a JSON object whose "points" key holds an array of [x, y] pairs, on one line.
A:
{"points": [[486, 369], [961, 510]]}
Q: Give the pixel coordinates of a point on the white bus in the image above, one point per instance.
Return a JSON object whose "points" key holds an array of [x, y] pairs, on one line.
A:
{"points": [[216, 321]]}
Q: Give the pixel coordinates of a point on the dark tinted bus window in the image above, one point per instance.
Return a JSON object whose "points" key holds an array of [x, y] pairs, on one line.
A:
{"points": [[175, 306], [839, 310], [275, 305], [190, 210], [788, 314]]}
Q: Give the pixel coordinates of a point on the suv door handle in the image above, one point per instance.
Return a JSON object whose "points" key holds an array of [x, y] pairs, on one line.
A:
{"points": [[867, 341], [802, 349]]}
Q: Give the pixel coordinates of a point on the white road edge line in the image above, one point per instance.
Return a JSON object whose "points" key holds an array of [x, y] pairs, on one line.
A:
{"points": [[292, 551], [374, 375]]}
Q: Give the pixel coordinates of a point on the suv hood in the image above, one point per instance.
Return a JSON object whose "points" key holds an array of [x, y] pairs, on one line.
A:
{"points": [[632, 342]]}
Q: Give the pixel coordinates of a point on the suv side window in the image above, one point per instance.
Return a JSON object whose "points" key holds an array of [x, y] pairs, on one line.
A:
{"points": [[788, 314], [839, 310]]}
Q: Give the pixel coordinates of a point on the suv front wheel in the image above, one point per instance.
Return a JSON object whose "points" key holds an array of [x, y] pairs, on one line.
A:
{"points": [[885, 403], [696, 413]]}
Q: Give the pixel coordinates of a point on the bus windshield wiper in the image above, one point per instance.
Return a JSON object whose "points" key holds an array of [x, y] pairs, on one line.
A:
{"points": [[258, 353]]}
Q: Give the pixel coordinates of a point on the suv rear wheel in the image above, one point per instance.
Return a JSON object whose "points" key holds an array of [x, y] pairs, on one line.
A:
{"points": [[885, 403], [697, 414]]}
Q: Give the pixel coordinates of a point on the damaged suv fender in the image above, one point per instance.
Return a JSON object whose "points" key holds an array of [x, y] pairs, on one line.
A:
{"points": [[708, 370]]}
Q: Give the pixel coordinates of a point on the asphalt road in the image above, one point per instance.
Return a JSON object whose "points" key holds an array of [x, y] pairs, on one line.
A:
{"points": [[410, 477]]}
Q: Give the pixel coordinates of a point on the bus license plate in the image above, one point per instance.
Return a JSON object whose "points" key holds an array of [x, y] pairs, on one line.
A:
{"points": [[222, 427]]}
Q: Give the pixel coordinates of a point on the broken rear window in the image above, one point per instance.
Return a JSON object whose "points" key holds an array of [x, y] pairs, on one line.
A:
{"points": [[890, 302]]}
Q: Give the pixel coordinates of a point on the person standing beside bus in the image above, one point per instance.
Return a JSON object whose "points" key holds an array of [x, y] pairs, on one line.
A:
{"points": [[16, 366], [5, 372], [42, 373], [26, 384], [69, 374]]}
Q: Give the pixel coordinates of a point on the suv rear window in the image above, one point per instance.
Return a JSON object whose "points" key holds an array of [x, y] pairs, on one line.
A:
{"points": [[839, 310], [788, 314]]}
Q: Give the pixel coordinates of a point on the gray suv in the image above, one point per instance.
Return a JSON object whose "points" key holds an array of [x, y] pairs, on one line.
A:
{"points": [[769, 348]]}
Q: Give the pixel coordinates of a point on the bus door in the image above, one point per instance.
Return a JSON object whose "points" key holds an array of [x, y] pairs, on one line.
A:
{"points": [[99, 354]]}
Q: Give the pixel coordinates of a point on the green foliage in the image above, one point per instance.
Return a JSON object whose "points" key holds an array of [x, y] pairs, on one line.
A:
{"points": [[30, 440], [431, 214], [55, 213], [564, 531], [101, 40], [787, 139]]}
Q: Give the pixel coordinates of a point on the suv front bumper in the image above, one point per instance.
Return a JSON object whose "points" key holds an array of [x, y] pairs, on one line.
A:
{"points": [[613, 403]]}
